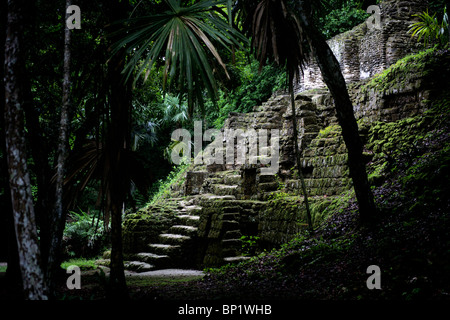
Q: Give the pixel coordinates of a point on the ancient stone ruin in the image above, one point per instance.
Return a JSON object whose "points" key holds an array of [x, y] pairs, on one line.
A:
{"points": [[369, 48], [215, 211]]}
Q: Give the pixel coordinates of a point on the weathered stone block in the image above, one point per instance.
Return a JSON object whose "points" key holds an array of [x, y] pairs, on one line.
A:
{"points": [[194, 182]]}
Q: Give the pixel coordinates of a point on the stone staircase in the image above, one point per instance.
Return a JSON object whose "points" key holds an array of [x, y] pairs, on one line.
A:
{"points": [[175, 246], [222, 203]]}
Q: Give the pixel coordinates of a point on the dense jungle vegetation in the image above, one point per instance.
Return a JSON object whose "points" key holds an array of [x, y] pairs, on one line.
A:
{"points": [[67, 106]]}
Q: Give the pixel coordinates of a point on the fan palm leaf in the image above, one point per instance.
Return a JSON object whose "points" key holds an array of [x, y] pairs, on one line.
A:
{"points": [[184, 39]]}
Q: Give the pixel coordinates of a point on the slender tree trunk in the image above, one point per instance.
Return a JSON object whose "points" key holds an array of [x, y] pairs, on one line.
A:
{"points": [[117, 175], [20, 186], [332, 75], [297, 152], [13, 277], [117, 145], [39, 148], [59, 217]]}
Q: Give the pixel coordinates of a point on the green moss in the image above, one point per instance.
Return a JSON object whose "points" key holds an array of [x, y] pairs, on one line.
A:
{"points": [[173, 182], [144, 227], [399, 74], [83, 264], [330, 131], [162, 281]]}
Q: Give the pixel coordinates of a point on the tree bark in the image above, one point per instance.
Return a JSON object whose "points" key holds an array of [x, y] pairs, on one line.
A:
{"points": [[20, 186], [117, 175], [332, 76], [13, 277], [297, 153], [117, 147], [59, 216]]}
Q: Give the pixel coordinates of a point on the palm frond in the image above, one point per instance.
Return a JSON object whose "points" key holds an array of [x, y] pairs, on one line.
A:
{"points": [[428, 28], [278, 36], [89, 164], [185, 38]]}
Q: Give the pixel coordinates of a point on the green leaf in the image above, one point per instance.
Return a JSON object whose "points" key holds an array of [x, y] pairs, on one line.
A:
{"points": [[185, 38]]}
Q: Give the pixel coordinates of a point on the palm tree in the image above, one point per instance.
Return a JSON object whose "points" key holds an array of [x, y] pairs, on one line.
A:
{"points": [[282, 33], [184, 39], [277, 35], [332, 76]]}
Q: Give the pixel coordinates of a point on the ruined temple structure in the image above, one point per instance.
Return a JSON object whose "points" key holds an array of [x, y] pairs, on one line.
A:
{"points": [[202, 221], [369, 48]]}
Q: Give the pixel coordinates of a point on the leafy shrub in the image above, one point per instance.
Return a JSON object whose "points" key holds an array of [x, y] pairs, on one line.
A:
{"points": [[429, 29], [163, 187], [84, 236], [342, 19], [84, 264], [255, 87], [249, 244]]}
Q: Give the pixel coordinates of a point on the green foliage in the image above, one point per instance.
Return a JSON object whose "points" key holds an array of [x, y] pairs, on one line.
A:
{"points": [[186, 37], [249, 244], [341, 18], [254, 88], [330, 131], [410, 64], [325, 207], [430, 29], [425, 178], [84, 264], [312, 252], [163, 187], [84, 235]]}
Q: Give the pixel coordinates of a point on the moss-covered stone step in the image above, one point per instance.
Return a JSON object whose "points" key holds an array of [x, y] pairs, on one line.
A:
{"points": [[235, 259], [231, 244], [189, 220], [192, 209], [230, 216], [163, 249], [170, 238], [232, 234], [158, 261], [224, 189], [184, 230], [268, 186], [138, 266]]}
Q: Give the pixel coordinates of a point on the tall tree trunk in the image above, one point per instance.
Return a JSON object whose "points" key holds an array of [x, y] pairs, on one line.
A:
{"points": [[59, 217], [13, 277], [117, 175], [117, 145], [297, 152], [20, 186], [39, 148], [332, 75]]}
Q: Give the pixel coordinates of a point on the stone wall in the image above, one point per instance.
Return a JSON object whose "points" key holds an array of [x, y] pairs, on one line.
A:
{"points": [[365, 51]]}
